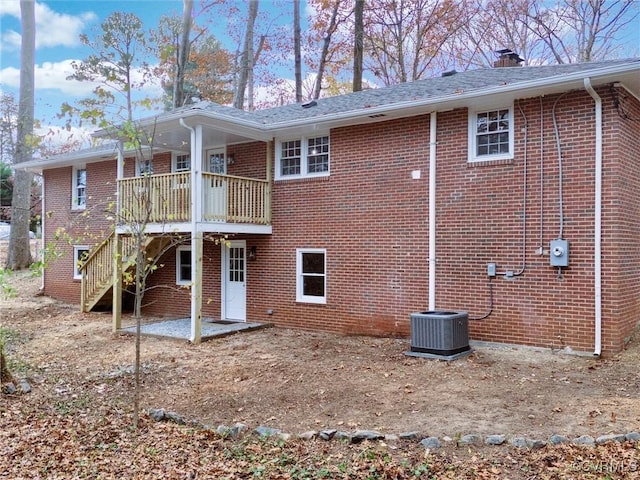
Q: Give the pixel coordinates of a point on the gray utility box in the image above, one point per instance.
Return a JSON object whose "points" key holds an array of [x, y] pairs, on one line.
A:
{"points": [[440, 332]]}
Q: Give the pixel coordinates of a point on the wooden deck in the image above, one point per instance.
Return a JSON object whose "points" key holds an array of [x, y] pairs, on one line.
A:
{"points": [[167, 199]]}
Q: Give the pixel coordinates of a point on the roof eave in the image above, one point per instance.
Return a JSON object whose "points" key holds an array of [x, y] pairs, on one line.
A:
{"points": [[546, 85]]}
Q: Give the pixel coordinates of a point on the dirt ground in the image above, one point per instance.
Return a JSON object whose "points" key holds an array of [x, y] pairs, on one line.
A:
{"points": [[298, 381]]}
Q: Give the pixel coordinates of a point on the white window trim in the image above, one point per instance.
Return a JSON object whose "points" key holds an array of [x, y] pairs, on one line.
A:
{"points": [[74, 187], [472, 142], [303, 157], [76, 270], [174, 162], [180, 281], [300, 297]]}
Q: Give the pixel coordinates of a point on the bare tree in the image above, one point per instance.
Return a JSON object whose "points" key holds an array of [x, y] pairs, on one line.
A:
{"points": [[581, 31], [19, 254], [405, 38]]}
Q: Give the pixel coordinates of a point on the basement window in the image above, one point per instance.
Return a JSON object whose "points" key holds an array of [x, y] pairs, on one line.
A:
{"points": [[311, 283], [491, 134], [80, 255], [183, 266]]}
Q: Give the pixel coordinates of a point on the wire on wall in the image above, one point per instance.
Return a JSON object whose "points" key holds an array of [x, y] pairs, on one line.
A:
{"points": [[560, 173], [486, 315]]}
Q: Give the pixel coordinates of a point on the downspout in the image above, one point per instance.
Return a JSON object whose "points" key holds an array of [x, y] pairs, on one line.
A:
{"points": [[432, 211], [597, 261], [195, 334]]}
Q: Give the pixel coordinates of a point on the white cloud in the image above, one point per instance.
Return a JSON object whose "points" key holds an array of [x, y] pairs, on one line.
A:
{"points": [[55, 138], [49, 75], [53, 29], [53, 76]]}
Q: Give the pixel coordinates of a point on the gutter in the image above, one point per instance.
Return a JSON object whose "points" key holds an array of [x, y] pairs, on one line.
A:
{"points": [[432, 212], [597, 260]]}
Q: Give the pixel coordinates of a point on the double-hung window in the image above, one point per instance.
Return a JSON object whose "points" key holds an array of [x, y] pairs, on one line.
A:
{"points": [[181, 162], [183, 265], [80, 254], [144, 167], [303, 157], [311, 282], [491, 134], [79, 193]]}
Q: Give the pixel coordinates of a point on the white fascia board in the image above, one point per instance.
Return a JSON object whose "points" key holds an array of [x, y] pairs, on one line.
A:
{"points": [[227, 124], [88, 155], [80, 157]]}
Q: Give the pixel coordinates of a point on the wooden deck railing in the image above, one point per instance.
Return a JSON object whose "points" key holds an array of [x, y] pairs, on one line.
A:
{"points": [[97, 269], [167, 198], [156, 198], [235, 199]]}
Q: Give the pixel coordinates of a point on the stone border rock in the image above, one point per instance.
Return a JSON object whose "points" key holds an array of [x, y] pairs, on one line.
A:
{"points": [[240, 429], [10, 388]]}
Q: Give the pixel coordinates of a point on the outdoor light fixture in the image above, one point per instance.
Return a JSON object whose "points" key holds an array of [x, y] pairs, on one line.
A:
{"points": [[231, 159], [252, 253]]}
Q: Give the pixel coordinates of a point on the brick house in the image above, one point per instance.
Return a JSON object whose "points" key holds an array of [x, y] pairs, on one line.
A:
{"points": [[509, 193]]}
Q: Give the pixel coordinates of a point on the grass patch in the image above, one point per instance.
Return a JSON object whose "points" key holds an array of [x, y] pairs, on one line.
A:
{"points": [[6, 289]]}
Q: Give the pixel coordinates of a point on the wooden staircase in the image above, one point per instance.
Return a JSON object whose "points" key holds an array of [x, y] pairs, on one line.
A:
{"points": [[97, 270]]}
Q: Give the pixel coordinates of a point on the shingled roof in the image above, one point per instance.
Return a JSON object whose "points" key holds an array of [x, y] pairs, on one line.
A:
{"points": [[420, 90]]}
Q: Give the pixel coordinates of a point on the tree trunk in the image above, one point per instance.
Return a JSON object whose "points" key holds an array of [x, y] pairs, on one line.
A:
{"points": [[183, 55], [247, 56], [19, 254], [325, 50], [5, 374], [296, 47], [358, 45]]}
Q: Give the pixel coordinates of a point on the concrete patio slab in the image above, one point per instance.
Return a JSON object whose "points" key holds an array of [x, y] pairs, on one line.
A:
{"points": [[180, 329]]}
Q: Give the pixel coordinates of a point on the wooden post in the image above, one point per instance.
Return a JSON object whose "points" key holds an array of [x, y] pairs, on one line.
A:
{"points": [[117, 284], [196, 287]]}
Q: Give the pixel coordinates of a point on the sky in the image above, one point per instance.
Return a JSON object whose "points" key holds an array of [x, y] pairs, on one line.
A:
{"points": [[59, 24]]}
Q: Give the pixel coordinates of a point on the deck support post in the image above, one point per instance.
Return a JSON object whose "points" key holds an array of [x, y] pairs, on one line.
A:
{"points": [[117, 283], [196, 288]]}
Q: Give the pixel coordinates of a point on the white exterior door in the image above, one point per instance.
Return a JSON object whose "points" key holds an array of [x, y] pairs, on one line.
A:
{"points": [[215, 188], [234, 269]]}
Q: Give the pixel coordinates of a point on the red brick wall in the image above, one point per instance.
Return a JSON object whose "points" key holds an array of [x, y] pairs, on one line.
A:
{"points": [[372, 218], [622, 184], [76, 227]]}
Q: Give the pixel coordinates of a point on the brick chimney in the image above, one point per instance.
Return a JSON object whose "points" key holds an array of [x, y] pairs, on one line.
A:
{"points": [[508, 58]]}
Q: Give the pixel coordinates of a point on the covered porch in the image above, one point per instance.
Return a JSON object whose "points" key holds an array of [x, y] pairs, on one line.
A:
{"points": [[212, 178]]}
